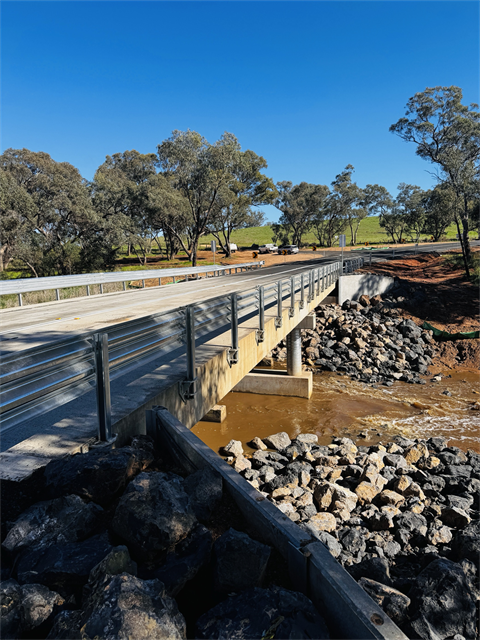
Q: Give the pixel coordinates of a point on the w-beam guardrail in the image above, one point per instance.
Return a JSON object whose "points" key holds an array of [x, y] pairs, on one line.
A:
{"points": [[43, 378], [20, 286]]}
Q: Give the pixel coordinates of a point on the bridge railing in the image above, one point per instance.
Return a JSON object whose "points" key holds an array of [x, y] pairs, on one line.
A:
{"points": [[38, 380], [21, 286]]}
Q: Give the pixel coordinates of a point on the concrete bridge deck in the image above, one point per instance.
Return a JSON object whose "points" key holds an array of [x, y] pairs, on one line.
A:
{"points": [[72, 426]]}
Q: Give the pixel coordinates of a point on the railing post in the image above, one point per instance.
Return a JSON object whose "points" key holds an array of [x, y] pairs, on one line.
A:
{"points": [[318, 281], [291, 311], [232, 353], [20, 300], [187, 388], [159, 282], [302, 290], [88, 289], [102, 374], [260, 335], [57, 294], [310, 286], [124, 285], [101, 287], [278, 319]]}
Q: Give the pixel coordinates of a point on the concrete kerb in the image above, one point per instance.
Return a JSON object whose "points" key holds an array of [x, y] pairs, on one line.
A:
{"points": [[354, 286], [350, 612]]}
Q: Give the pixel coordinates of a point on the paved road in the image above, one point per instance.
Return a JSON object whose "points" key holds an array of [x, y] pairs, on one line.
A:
{"points": [[26, 327]]}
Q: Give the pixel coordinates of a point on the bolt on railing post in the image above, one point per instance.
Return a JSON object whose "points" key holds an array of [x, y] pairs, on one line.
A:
{"points": [[302, 290], [291, 311], [278, 319], [102, 375], [232, 353]]}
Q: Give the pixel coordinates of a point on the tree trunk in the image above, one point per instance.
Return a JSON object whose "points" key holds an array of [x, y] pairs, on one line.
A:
{"points": [[461, 237]]}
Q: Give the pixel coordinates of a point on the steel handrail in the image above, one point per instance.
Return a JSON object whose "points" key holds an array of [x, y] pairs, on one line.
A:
{"points": [[42, 378], [20, 286]]}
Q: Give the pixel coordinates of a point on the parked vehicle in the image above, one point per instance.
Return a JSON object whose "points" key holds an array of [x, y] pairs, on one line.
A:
{"points": [[290, 248], [268, 248], [233, 247]]}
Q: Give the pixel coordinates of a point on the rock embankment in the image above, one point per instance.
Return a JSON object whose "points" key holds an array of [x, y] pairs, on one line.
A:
{"points": [[402, 518], [366, 340], [124, 545]]}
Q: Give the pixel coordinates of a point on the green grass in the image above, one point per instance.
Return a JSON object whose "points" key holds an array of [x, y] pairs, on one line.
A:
{"points": [[369, 231]]}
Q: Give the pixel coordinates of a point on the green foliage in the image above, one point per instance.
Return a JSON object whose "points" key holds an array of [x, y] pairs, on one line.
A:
{"points": [[447, 133]]}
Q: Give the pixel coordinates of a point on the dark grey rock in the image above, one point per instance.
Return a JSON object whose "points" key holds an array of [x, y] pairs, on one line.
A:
{"points": [[466, 543], [393, 602], [239, 562], [25, 607], [204, 488], [62, 567], [414, 523], [353, 541], [66, 626], [153, 514], [263, 613], [128, 607], [182, 565], [115, 562], [377, 569], [65, 519], [99, 475], [442, 603]]}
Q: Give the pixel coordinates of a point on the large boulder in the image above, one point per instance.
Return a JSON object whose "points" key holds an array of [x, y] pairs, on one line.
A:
{"points": [[466, 543], [263, 613], [154, 514], [115, 562], [128, 607], [99, 475], [65, 519], [239, 562], [443, 605], [190, 555], [62, 567], [204, 488], [25, 607], [278, 441]]}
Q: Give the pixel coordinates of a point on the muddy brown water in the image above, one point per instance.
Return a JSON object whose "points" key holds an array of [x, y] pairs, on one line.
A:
{"points": [[348, 408]]}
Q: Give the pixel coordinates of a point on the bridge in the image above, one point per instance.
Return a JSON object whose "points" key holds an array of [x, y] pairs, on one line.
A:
{"points": [[77, 368], [62, 385]]}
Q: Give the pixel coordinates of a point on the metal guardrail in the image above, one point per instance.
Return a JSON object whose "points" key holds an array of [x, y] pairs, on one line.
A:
{"points": [[43, 378], [26, 285]]}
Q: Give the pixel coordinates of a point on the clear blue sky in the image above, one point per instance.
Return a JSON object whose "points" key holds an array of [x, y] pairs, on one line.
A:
{"points": [[310, 86]]}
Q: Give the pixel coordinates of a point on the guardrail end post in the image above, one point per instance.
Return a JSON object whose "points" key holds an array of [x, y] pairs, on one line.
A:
{"points": [[102, 374]]}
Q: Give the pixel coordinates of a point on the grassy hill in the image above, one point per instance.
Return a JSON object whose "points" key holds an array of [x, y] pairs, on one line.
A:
{"points": [[369, 231]]}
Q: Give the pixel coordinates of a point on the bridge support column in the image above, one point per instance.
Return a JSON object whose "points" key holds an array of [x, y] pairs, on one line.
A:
{"points": [[294, 353]]}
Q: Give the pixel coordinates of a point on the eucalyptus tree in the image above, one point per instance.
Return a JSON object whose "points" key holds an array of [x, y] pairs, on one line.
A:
{"points": [[200, 171], [121, 190], [410, 205], [439, 204], [62, 233], [246, 188], [298, 203], [446, 133], [341, 207], [349, 198], [16, 212]]}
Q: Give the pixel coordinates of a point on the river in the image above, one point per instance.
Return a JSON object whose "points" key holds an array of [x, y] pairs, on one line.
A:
{"points": [[348, 408]]}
